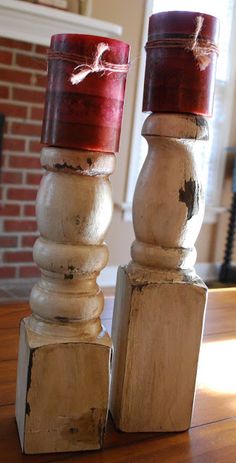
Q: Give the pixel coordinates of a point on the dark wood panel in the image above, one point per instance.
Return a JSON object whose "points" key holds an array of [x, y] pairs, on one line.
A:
{"points": [[8, 382]]}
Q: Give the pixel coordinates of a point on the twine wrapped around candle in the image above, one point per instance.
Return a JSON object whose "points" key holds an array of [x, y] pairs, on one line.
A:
{"points": [[201, 48], [96, 65]]}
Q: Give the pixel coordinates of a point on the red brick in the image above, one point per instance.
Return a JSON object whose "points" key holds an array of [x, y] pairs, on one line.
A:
{"points": [[41, 49], [13, 144], [6, 127], [18, 128], [40, 80], [20, 225], [5, 57], [33, 179], [4, 42], [37, 114], [8, 241], [11, 75], [29, 272], [31, 96], [24, 162], [11, 177], [21, 194], [7, 272], [17, 256], [35, 146], [13, 110], [4, 91], [32, 62], [29, 210], [9, 209], [28, 241]]}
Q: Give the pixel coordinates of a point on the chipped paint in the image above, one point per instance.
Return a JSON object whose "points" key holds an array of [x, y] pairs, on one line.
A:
{"points": [[190, 196]]}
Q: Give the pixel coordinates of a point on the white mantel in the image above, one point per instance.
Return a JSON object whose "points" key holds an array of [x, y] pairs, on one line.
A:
{"points": [[35, 23]]}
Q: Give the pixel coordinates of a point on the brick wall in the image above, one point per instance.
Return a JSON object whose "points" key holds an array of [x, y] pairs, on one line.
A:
{"points": [[22, 84]]}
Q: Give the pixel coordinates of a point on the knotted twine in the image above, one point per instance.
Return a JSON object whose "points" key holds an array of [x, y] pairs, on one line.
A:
{"points": [[86, 65], [201, 48]]}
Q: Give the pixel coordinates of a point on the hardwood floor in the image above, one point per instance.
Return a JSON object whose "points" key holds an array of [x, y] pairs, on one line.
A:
{"points": [[212, 437]]}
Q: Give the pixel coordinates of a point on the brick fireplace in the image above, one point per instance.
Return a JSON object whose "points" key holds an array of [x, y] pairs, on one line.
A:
{"points": [[22, 84]]}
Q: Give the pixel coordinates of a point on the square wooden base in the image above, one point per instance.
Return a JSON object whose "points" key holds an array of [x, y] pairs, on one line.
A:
{"points": [[62, 393], [157, 330]]}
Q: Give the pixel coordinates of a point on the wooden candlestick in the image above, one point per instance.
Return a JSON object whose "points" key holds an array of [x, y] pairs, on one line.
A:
{"points": [[64, 357], [160, 301]]}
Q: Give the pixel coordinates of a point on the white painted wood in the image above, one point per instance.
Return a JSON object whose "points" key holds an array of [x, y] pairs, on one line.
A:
{"points": [[64, 350], [156, 341], [36, 23], [160, 301], [65, 399]]}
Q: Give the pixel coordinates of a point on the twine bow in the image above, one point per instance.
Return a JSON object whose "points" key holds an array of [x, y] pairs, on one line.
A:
{"points": [[97, 66]]}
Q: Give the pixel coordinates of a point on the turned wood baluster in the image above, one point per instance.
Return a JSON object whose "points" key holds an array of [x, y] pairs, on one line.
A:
{"points": [[74, 209], [160, 301], [63, 378], [168, 203], [64, 347]]}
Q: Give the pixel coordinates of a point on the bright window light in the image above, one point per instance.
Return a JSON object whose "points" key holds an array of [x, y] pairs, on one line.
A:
{"points": [[216, 371]]}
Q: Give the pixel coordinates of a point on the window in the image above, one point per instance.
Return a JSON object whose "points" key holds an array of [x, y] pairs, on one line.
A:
{"points": [[213, 155]]}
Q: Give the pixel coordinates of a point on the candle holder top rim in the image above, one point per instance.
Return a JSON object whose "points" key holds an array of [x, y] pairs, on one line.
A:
{"points": [[86, 45], [183, 23], [86, 37]]}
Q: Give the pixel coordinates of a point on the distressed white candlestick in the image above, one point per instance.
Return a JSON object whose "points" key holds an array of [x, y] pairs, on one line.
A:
{"points": [[64, 356], [63, 377], [160, 301]]}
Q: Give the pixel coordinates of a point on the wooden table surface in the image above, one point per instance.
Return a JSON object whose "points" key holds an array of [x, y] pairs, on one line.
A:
{"points": [[212, 437]]}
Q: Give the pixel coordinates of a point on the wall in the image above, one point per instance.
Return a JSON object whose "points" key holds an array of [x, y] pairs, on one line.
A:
{"points": [[22, 83]]}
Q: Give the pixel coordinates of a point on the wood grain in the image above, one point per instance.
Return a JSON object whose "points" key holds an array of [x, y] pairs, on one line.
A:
{"points": [[212, 438]]}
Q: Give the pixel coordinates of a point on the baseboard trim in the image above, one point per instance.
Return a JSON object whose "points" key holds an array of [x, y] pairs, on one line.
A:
{"points": [[208, 271]]}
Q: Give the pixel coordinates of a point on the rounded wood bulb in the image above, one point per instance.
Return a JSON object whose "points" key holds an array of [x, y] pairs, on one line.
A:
{"points": [[168, 203], [74, 209]]}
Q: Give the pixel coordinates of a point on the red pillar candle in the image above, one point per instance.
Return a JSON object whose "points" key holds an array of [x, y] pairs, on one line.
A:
{"points": [[86, 115], [181, 63]]}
